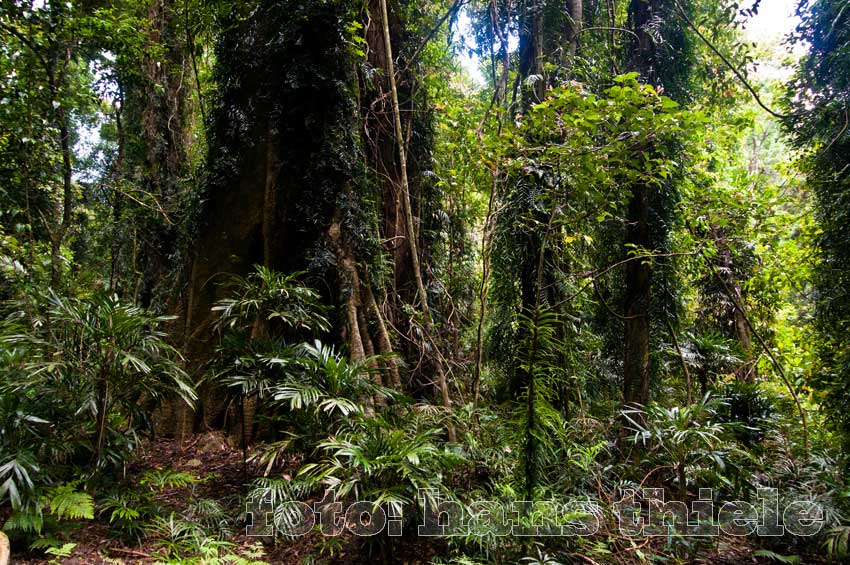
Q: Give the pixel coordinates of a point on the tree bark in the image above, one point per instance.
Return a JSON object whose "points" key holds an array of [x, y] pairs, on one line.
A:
{"points": [[574, 25], [638, 292], [161, 111], [739, 330], [58, 237], [687, 372], [408, 213], [531, 53], [484, 288], [56, 82], [384, 343], [638, 296]]}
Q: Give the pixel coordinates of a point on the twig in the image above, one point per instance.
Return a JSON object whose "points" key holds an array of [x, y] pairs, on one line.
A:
{"points": [[129, 552], [843, 129], [608, 307], [191, 44], [597, 274], [23, 39], [645, 477]]}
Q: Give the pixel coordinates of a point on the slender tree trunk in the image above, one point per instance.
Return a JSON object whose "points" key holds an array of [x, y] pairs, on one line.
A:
{"points": [[531, 470], [102, 391], [682, 360], [740, 330], [574, 25], [483, 291], [500, 96], [114, 276], [67, 199], [776, 364], [638, 295]]}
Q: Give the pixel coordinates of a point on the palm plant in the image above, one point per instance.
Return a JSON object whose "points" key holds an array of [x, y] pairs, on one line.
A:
{"points": [[749, 409], [25, 438], [680, 436], [270, 296], [261, 324], [322, 385], [78, 382], [331, 384], [379, 460], [710, 354], [103, 357], [265, 313]]}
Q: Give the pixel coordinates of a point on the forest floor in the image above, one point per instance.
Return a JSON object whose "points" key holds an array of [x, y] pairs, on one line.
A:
{"points": [[214, 460]]}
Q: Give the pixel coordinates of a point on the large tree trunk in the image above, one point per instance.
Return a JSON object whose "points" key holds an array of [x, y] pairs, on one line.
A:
{"points": [[161, 109], [396, 137], [412, 235], [286, 187], [531, 52], [379, 140], [156, 110], [643, 54]]}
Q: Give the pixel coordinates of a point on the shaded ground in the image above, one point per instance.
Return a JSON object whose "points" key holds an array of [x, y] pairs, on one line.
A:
{"points": [[212, 458]]}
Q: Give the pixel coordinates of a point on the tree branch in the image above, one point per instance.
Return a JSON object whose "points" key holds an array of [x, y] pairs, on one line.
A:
{"points": [[776, 364], [734, 69]]}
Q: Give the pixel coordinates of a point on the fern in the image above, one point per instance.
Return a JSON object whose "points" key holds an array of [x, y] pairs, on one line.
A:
{"points": [[63, 502], [128, 511], [66, 502], [28, 519], [837, 542], [64, 551], [776, 556], [166, 478]]}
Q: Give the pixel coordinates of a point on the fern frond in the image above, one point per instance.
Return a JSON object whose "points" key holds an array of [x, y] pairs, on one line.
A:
{"points": [[66, 502]]}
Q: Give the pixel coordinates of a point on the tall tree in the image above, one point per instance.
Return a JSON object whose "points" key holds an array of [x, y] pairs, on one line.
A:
{"points": [[49, 36], [157, 109], [652, 53], [306, 169], [819, 96]]}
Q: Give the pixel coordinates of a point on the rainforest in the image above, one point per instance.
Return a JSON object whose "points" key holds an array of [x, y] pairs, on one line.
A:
{"points": [[438, 282]]}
